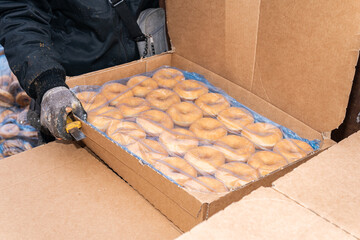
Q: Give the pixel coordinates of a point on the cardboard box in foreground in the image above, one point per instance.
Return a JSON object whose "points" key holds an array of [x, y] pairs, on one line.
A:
{"points": [[292, 63]]}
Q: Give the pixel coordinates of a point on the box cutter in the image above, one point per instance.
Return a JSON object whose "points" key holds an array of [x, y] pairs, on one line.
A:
{"points": [[73, 126]]}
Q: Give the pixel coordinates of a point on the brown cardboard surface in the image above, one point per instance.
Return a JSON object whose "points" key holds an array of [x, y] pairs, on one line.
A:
{"points": [[329, 184], [288, 53], [61, 191], [266, 214]]}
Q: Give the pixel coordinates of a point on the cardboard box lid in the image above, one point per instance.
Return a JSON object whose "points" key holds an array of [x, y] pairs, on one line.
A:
{"points": [[266, 214], [329, 184], [61, 191], [299, 56]]}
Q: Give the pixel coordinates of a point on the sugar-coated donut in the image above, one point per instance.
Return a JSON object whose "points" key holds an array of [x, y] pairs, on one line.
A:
{"points": [[190, 89], [292, 149], [9, 130], [22, 99], [92, 100], [168, 77], [6, 99], [178, 140], [141, 85], [154, 122], [205, 184], [132, 106], [176, 168], [102, 117], [184, 113], [114, 92], [205, 159], [162, 98], [208, 129], [236, 174], [125, 132], [263, 135], [212, 103], [266, 161], [235, 118], [148, 150], [235, 148]]}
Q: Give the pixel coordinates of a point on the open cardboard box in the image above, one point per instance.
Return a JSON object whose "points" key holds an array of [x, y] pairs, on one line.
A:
{"points": [[290, 62]]}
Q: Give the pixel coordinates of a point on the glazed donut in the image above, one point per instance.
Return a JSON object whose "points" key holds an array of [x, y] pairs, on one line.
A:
{"points": [[205, 184], [15, 146], [91, 100], [124, 132], [212, 103], [266, 161], [178, 140], [7, 113], [176, 168], [132, 106], [141, 85], [208, 128], [114, 92], [205, 159], [263, 135], [162, 98], [9, 130], [292, 149], [168, 77], [235, 118], [6, 99], [154, 122], [190, 89], [236, 174], [22, 99], [148, 150], [184, 113], [102, 117], [235, 148], [28, 134]]}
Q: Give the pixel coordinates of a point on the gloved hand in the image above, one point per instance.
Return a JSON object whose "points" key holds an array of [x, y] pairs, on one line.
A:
{"points": [[53, 111]]}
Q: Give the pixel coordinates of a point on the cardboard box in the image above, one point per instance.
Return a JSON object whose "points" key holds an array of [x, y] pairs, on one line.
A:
{"points": [[290, 62], [62, 191], [266, 214]]}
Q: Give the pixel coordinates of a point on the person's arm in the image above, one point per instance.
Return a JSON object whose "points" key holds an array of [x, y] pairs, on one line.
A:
{"points": [[25, 33]]}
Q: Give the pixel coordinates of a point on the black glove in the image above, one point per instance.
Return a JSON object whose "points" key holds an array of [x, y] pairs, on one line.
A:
{"points": [[53, 111]]}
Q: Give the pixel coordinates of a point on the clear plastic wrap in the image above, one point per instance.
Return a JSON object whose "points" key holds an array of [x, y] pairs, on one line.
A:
{"points": [[190, 131]]}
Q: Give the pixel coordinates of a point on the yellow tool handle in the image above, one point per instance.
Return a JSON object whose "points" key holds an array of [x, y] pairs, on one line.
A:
{"points": [[72, 125]]}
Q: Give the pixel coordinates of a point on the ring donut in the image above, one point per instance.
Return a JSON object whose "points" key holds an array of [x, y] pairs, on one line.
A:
{"points": [[205, 184], [236, 174], [6, 99], [235, 118], [293, 149], [190, 89], [208, 129], [22, 99], [102, 117], [154, 122], [114, 92], [266, 161], [91, 100], [178, 141], [205, 159], [263, 135], [132, 106], [162, 98], [176, 168], [212, 103], [235, 148], [9, 130], [184, 113], [142, 85], [125, 132], [168, 77], [148, 150]]}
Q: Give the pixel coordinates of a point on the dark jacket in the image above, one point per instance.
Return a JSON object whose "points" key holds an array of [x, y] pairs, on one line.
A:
{"points": [[46, 40]]}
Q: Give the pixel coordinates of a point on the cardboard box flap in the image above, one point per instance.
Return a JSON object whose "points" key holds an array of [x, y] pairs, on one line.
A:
{"points": [[299, 56]]}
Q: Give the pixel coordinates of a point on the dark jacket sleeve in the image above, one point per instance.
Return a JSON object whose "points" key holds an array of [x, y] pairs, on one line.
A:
{"points": [[26, 36]]}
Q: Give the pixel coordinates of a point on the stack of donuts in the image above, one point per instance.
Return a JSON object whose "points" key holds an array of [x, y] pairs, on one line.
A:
{"points": [[15, 135], [188, 131]]}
